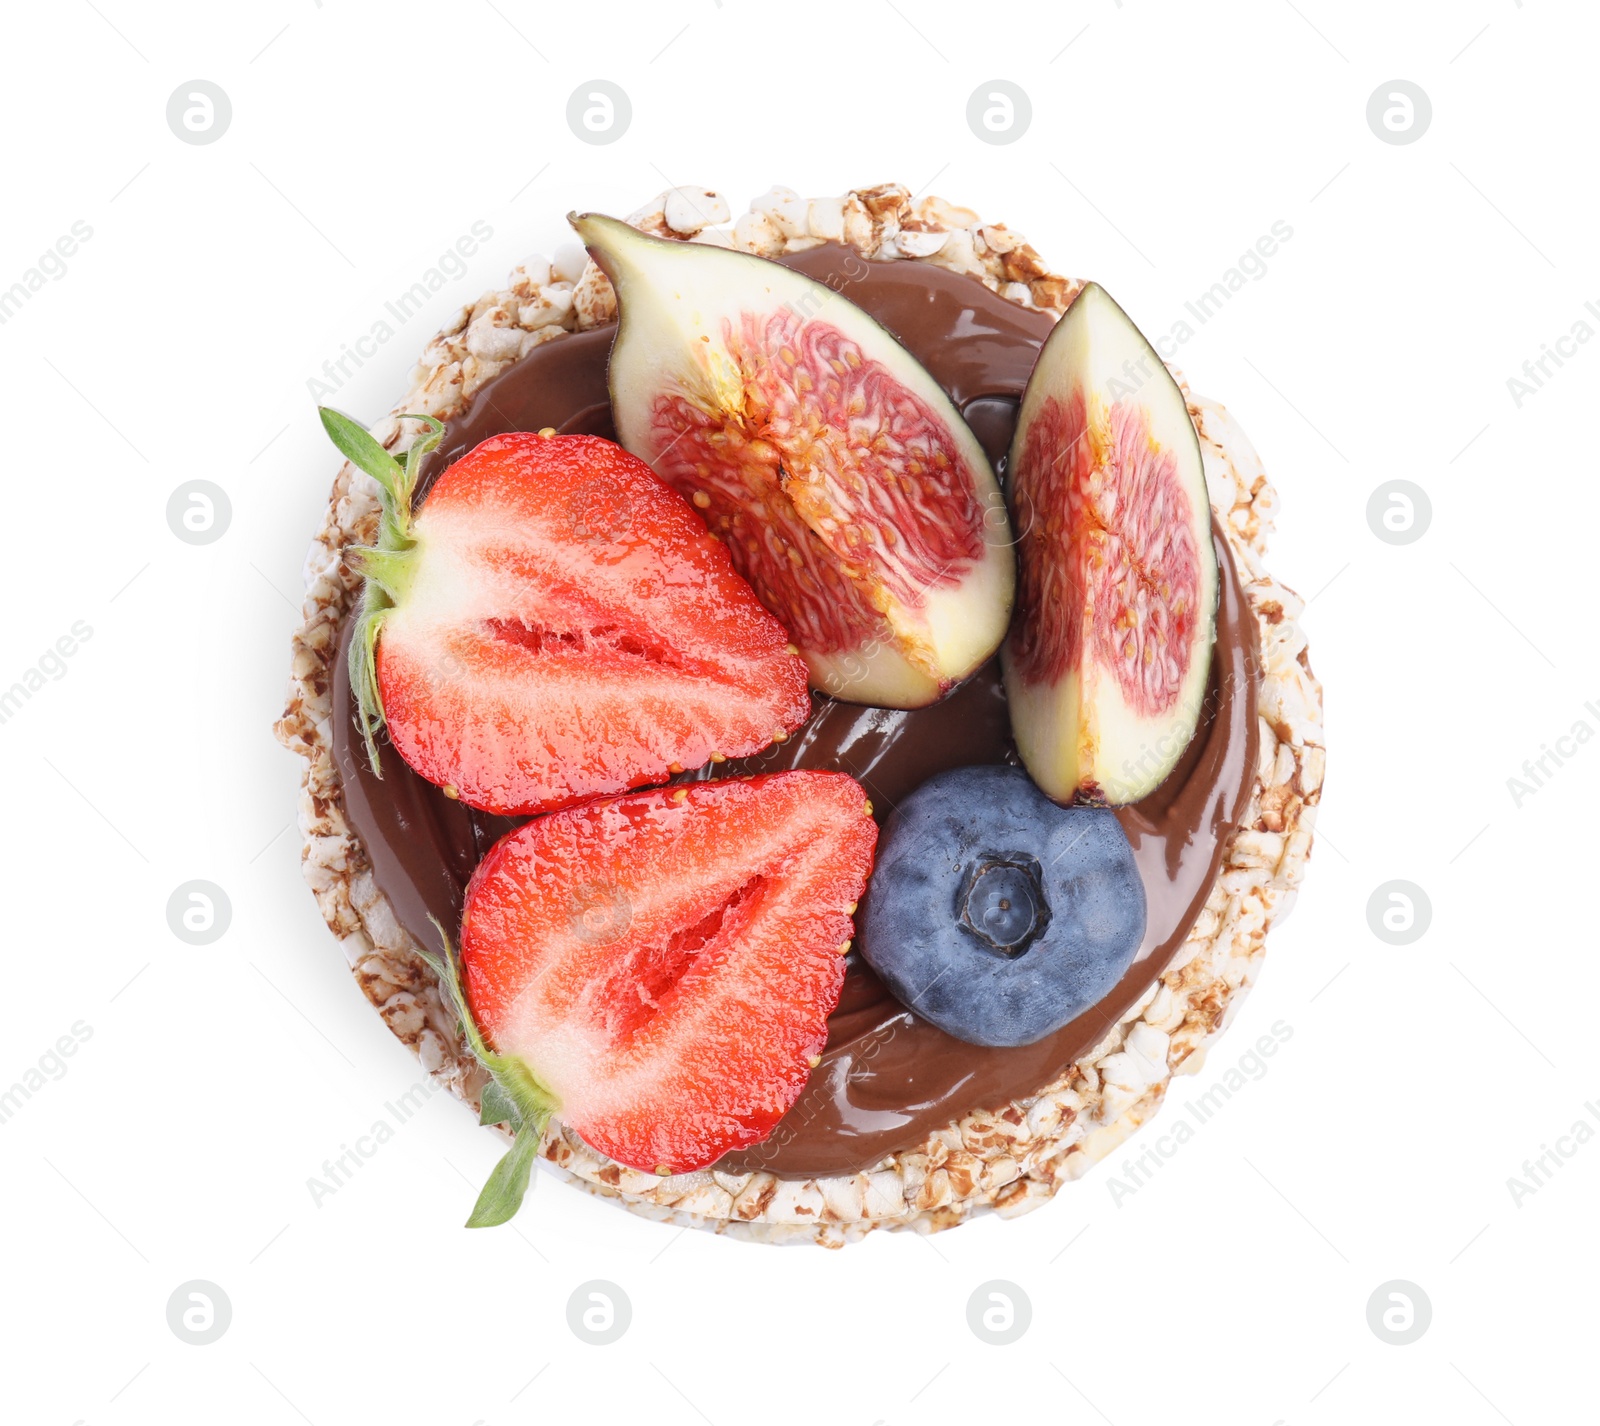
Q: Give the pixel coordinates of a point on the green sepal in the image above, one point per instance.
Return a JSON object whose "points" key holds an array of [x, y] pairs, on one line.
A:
{"points": [[396, 476], [388, 565], [366, 453], [497, 1107], [507, 1186], [389, 570], [512, 1096], [375, 607], [421, 445]]}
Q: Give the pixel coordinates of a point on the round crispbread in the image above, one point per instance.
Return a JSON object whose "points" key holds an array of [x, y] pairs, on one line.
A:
{"points": [[1005, 1158]]}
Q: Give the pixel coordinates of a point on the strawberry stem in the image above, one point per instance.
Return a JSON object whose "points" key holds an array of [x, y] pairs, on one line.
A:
{"points": [[388, 566], [513, 1096]]}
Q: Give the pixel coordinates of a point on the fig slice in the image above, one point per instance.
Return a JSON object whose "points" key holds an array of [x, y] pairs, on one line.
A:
{"points": [[1107, 660], [846, 486]]}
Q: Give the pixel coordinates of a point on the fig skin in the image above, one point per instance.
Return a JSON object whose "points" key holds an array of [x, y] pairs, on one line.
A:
{"points": [[1108, 656], [849, 490]]}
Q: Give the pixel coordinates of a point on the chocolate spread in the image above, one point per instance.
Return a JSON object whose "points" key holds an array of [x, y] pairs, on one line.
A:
{"points": [[887, 1078]]}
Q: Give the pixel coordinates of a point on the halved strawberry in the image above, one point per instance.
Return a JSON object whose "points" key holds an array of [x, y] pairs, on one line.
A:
{"points": [[555, 623], [658, 969]]}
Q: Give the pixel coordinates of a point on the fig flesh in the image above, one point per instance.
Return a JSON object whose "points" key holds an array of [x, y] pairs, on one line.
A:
{"points": [[849, 491], [1107, 660]]}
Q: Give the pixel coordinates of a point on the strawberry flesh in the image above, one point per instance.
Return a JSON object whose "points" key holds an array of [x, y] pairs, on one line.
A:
{"points": [[665, 962], [570, 629]]}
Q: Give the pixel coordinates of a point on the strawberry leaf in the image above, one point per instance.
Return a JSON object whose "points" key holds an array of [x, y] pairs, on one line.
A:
{"points": [[502, 1195], [512, 1096], [498, 1107], [386, 566], [363, 450], [364, 671]]}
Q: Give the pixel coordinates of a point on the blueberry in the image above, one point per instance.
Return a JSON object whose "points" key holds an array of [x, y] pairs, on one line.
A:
{"points": [[997, 915]]}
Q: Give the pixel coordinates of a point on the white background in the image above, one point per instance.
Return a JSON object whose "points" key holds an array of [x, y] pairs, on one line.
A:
{"points": [[1166, 138]]}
